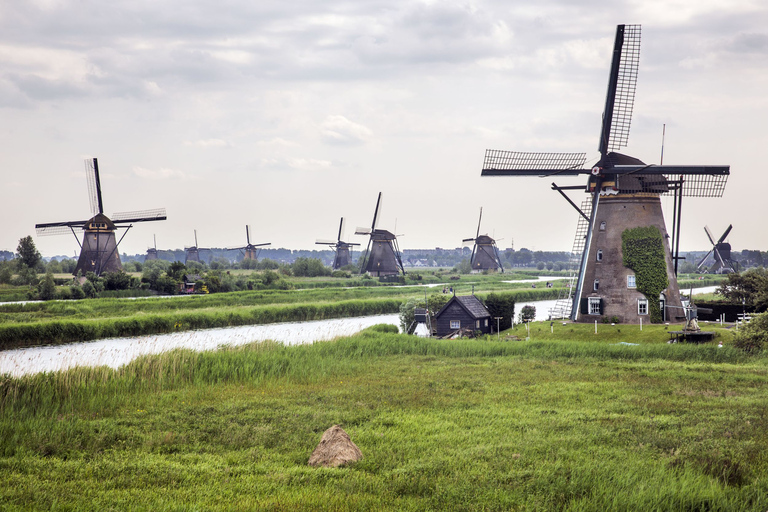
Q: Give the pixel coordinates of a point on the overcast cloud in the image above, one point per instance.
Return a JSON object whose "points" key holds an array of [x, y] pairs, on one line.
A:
{"points": [[289, 115]]}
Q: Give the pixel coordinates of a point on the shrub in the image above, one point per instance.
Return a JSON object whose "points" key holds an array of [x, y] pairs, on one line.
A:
{"points": [[753, 336]]}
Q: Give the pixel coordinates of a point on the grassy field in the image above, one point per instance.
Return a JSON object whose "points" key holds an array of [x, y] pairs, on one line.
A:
{"points": [[569, 420]]}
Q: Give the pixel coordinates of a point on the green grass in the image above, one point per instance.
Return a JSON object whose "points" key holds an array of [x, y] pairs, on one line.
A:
{"points": [[573, 422]]}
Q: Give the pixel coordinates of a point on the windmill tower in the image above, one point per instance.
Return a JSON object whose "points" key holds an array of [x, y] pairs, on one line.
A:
{"points": [[193, 253], [250, 251], [342, 257], [722, 251], [98, 250], [152, 251], [485, 254], [382, 255], [624, 194]]}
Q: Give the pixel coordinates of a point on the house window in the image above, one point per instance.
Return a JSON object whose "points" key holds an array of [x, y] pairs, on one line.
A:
{"points": [[631, 281], [486, 322], [596, 284], [602, 226], [594, 305], [455, 324], [642, 306], [477, 324]]}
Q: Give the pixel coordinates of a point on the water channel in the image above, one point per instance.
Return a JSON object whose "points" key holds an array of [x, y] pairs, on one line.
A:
{"points": [[115, 352]]}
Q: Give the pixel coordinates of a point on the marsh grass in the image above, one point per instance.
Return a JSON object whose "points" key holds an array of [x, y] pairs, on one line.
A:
{"points": [[443, 425]]}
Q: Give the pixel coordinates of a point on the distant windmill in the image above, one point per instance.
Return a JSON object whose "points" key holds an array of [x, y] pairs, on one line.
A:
{"points": [[250, 251], [624, 194], [382, 255], [152, 251], [193, 253], [485, 254], [342, 257], [722, 251], [98, 250]]}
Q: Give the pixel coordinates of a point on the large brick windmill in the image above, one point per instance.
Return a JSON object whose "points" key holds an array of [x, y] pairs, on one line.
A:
{"points": [[627, 269], [98, 250]]}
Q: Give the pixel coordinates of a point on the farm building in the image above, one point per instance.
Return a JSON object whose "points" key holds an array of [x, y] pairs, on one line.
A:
{"points": [[465, 313]]}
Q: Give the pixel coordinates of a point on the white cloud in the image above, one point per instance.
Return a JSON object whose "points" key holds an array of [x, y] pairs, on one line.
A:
{"points": [[298, 164], [162, 173], [209, 143], [339, 129]]}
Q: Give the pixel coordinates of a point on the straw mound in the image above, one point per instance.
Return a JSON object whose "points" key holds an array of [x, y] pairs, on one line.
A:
{"points": [[335, 449]]}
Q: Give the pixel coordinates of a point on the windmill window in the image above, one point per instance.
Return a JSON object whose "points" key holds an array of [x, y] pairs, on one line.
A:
{"points": [[596, 284], [594, 305], [455, 324], [631, 281], [599, 255], [642, 306], [602, 226]]}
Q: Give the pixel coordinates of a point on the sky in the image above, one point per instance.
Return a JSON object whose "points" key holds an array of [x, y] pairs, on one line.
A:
{"points": [[289, 115]]}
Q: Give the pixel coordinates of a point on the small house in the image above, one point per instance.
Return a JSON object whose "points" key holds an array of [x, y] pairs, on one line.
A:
{"points": [[463, 313]]}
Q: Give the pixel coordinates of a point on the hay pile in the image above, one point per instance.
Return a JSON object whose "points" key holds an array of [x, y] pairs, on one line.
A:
{"points": [[335, 449]]}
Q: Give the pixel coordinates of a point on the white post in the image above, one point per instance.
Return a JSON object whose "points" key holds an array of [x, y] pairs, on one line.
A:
{"points": [[595, 326], [641, 323]]}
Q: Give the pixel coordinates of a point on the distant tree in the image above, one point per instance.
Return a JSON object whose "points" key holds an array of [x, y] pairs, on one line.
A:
{"points": [[177, 270], [117, 280], [501, 305], [309, 267], [749, 287], [28, 253], [6, 271], [540, 265], [46, 290], [463, 267], [753, 337], [89, 290], [528, 313]]}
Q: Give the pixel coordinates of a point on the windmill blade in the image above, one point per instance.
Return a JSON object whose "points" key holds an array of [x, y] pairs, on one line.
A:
{"points": [[139, 216], [260, 245], [154, 237], [94, 185], [698, 266], [517, 163], [376, 213], [718, 257], [196, 238], [468, 240], [725, 234], [325, 242], [709, 235], [341, 229], [50, 230], [362, 231], [230, 248], [478, 222], [622, 82], [248, 234]]}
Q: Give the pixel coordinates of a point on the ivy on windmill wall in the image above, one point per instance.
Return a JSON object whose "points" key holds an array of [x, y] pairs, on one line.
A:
{"points": [[643, 250]]}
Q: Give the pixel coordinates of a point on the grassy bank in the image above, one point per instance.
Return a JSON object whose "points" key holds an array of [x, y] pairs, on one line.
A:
{"points": [[54, 332], [467, 425]]}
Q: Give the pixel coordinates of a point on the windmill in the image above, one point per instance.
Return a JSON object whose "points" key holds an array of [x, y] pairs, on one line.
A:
{"points": [[193, 253], [341, 259], [382, 255], [624, 193], [250, 251], [722, 251], [98, 250], [485, 254], [152, 251]]}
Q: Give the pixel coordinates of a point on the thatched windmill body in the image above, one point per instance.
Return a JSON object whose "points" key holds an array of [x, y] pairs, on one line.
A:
{"points": [[722, 253], [250, 251], [192, 253], [624, 194], [152, 251], [485, 254], [342, 256], [382, 255], [98, 249]]}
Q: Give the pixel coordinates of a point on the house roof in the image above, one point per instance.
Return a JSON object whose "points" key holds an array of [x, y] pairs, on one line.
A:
{"points": [[470, 304]]}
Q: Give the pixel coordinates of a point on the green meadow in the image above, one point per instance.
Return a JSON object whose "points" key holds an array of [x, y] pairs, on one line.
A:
{"points": [[566, 420]]}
